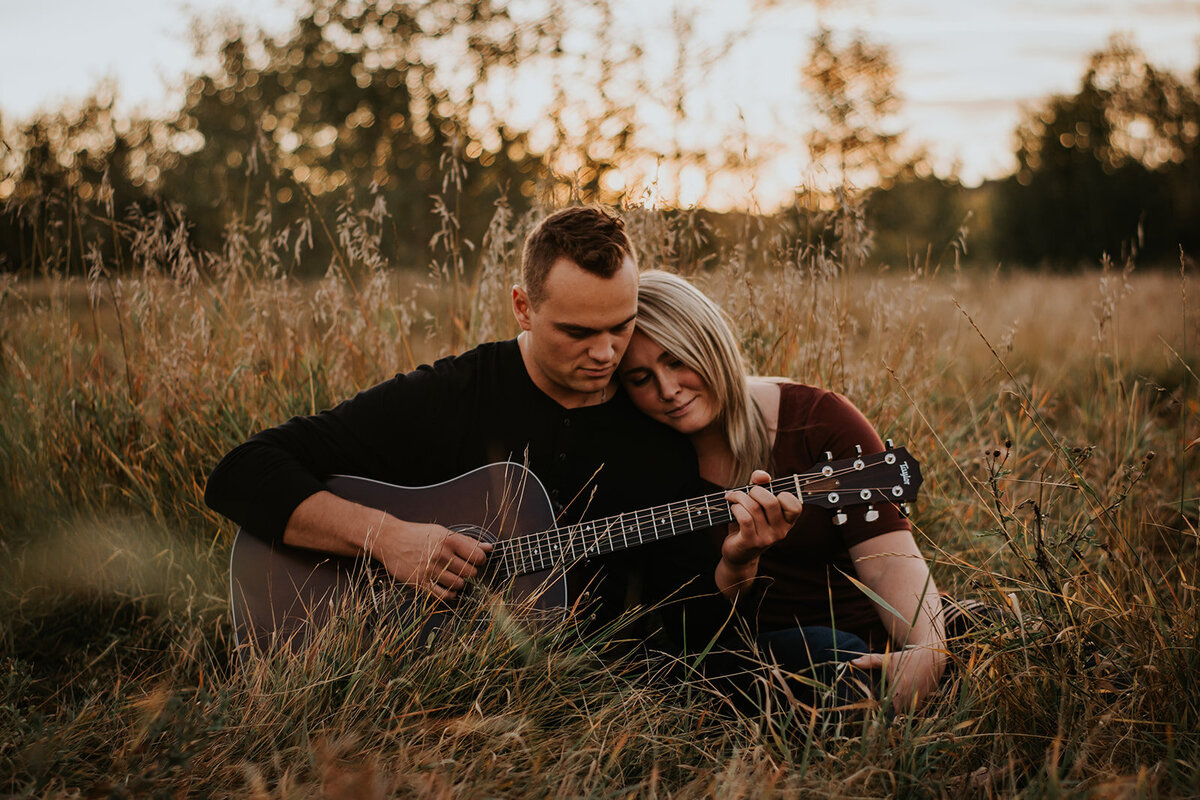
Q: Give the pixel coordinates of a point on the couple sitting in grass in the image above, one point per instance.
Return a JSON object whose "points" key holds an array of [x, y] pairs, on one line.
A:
{"points": [[622, 392]]}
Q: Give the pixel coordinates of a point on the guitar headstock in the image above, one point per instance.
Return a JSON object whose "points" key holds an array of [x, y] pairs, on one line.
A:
{"points": [[892, 476]]}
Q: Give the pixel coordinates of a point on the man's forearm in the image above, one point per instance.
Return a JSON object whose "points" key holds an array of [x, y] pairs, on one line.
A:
{"points": [[427, 556], [333, 525]]}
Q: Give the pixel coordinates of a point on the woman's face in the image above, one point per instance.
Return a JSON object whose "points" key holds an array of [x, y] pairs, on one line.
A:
{"points": [[662, 387]]}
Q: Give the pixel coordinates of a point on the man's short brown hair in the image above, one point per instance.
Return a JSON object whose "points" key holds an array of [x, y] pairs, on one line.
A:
{"points": [[591, 237]]}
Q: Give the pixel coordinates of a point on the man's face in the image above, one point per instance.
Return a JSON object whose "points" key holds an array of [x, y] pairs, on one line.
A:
{"points": [[576, 335]]}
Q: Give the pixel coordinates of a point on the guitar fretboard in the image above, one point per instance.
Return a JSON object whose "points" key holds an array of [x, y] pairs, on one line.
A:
{"points": [[520, 555]]}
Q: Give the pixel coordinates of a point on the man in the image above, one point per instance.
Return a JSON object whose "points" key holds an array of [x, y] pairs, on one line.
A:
{"points": [[548, 398]]}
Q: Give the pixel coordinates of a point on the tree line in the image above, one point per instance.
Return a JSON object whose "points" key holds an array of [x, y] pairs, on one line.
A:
{"points": [[1112, 170], [355, 117]]}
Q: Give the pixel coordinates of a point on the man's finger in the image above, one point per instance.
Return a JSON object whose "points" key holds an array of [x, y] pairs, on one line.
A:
{"points": [[462, 568], [449, 579], [440, 592], [468, 548]]}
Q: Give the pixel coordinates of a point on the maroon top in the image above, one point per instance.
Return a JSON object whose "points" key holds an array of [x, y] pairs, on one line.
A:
{"points": [[803, 577]]}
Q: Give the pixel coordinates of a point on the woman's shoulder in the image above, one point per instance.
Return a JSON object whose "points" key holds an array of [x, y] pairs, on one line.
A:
{"points": [[808, 411], [787, 398]]}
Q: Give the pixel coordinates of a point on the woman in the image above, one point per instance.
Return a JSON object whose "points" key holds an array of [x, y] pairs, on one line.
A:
{"points": [[683, 368]]}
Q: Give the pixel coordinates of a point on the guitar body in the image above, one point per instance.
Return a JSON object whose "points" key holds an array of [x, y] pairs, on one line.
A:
{"points": [[279, 593]]}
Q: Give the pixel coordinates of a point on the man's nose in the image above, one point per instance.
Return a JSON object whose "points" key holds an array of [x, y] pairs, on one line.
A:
{"points": [[603, 350]]}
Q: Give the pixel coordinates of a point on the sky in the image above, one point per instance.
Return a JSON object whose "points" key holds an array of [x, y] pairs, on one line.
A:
{"points": [[967, 70]]}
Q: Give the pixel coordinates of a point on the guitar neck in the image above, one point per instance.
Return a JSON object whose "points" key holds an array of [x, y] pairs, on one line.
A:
{"points": [[520, 555], [892, 476]]}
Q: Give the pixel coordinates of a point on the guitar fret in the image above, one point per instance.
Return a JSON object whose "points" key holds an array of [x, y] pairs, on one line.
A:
{"points": [[504, 562], [578, 542], [597, 542]]}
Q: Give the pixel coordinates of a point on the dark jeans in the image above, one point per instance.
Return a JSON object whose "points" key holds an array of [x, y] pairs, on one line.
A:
{"points": [[809, 663], [780, 667], [811, 647], [812, 664]]}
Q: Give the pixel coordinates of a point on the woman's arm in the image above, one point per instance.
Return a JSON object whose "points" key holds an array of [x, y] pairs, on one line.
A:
{"points": [[892, 566]]}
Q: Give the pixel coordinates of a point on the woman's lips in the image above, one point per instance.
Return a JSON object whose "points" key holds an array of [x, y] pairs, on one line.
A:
{"points": [[679, 411]]}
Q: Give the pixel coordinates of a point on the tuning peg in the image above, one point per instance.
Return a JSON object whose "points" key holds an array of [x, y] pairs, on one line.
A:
{"points": [[858, 449], [890, 444], [840, 517], [828, 455], [906, 509], [872, 514]]}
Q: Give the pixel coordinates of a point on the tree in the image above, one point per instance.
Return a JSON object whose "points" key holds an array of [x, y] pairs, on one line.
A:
{"points": [[68, 180], [853, 92], [352, 104], [1111, 169]]}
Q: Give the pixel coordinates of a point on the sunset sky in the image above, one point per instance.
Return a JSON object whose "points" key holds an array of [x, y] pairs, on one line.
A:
{"points": [[965, 69]]}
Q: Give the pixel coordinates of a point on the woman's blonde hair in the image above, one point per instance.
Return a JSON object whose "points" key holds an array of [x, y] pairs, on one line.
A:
{"points": [[681, 320]]}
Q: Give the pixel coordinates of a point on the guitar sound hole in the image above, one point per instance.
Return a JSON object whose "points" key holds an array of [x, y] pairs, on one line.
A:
{"points": [[475, 532]]}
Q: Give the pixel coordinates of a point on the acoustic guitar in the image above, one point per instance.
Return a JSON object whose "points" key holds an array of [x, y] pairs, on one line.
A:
{"points": [[278, 594]]}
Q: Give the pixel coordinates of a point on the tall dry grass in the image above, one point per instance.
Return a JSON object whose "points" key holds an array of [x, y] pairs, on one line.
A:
{"points": [[1053, 415]]}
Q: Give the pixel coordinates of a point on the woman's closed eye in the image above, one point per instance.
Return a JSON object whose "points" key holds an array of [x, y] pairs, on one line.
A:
{"points": [[637, 379]]}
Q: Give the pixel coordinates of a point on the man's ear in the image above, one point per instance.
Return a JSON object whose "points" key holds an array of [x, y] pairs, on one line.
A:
{"points": [[522, 308]]}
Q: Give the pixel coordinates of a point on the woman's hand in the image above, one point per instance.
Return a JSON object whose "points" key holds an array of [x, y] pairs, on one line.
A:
{"points": [[760, 520], [911, 674]]}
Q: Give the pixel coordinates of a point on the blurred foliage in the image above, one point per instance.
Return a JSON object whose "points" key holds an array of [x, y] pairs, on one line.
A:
{"points": [[389, 111], [349, 105], [1111, 169], [854, 95]]}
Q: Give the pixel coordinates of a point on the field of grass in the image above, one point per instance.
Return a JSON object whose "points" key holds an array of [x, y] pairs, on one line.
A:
{"points": [[1054, 415]]}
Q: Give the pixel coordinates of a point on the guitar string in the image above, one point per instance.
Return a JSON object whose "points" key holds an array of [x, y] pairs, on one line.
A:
{"points": [[527, 558], [565, 546], [658, 518]]}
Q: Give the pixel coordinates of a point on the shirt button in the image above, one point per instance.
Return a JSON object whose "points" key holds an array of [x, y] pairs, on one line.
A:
{"points": [[567, 423], [562, 456]]}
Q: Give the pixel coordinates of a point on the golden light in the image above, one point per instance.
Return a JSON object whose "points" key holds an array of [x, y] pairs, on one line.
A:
{"points": [[693, 184]]}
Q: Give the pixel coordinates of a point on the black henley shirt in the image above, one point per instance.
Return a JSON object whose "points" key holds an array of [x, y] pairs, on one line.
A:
{"points": [[463, 412]]}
